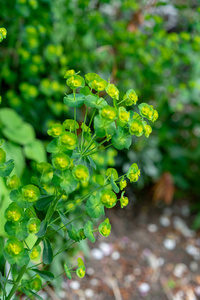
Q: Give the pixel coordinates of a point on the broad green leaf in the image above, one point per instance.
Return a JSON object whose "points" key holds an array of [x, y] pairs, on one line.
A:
{"points": [[94, 208], [35, 151], [121, 140], [54, 146], [95, 101], [43, 229], [44, 202], [65, 180], [64, 219], [17, 229], [46, 275], [28, 292], [6, 168], [73, 233], [9, 118], [103, 127], [47, 252], [71, 102], [24, 134], [88, 230]]}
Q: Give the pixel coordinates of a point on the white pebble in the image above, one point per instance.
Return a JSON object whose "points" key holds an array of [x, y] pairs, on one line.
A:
{"points": [[97, 254], [169, 244], [106, 248], [144, 288], [115, 255], [165, 221], [197, 290], [152, 228], [179, 270], [62, 294], [193, 251], [89, 293], [74, 285], [90, 271], [194, 266], [94, 282]]}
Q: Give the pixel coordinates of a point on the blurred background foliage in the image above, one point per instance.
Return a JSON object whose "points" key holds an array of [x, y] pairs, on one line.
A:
{"points": [[150, 46]]}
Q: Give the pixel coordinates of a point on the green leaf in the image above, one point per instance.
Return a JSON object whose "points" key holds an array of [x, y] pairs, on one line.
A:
{"points": [[120, 140], [73, 233], [77, 102], [15, 152], [65, 180], [103, 127], [9, 118], [35, 151], [95, 101], [47, 252], [114, 185], [32, 293], [54, 146], [6, 168], [64, 219], [46, 275], [94, 208], [20, 260], [67, 271], [16, 196], [24, 134], [88, 230], [17, 229], [58, 230], [44, 202], [43, 229]]}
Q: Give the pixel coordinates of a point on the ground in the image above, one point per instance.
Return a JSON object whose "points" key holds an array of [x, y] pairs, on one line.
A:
{"points": [[152, 254]]}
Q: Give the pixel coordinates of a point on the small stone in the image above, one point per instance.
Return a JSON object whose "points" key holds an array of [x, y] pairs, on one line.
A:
{"points": [[74, 285], [89, 293], [167, 211], [193, 251], [185, 211], [169, 244], [152, 228], [197, 290], [161, 261], [97, 254], [144, 288], [194, 266], [165, 221], [61, 294], [106, 248], [129, 278], [115, 255], [94, 282], [179, 270], [90, 271], [137, 272]]}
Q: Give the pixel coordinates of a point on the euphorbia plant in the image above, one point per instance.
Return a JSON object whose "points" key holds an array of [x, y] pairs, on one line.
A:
{"points": [[41, 208]]}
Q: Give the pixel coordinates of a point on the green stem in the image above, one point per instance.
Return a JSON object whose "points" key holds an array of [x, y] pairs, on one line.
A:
{"points": [[82, 144], [89, 144], [15, 286]]}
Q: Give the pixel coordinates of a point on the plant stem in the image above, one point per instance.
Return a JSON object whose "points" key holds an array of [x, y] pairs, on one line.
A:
{"points": [[15, 286], [82, 144]]}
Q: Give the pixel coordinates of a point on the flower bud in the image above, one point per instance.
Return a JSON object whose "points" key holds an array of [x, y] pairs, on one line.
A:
{"points": [[122, 184], [69, 140], [35, 253], [112, 91], [14, 247], [30, 192], [80, 271], [14, 213], [55, 130], [33, 225], [2, 156], [61, 161], [105, 228], [36, 283], [131, 98], [44, 167], [108, 113], [136, 127], [13, 182], [108, 198], [133, 173], [81, 172], [75, 81], [124, 201], [69, 73], [70, 124]]}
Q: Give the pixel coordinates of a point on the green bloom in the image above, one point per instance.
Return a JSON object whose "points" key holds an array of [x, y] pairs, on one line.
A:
{"points": [[136, 127], [98, 84], [75, 82], [112, 91], [133, 173], [69, 140], [146, 110], [155, 116], [80, 271], [35, 253], [13, 182], [3, 33], [36, 283], [131, 98], [124, 116], [14, 213], [124, 201], [14, 247], [61, 161], [81, 172], [147, 130], [91, 76], [112, 171], [33, 225], [30, 193], [44, 167], [108, 198], [55, 130], [122, 184], [69, 73], [105, 228], [70, 124], [108, 113]]}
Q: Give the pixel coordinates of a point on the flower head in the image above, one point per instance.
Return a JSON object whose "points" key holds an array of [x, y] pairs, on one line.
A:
{"points": [[81, 172], [30, 192], [112, 91], [69, 140], [14, 213], [61, 161], [105, 228], [108, 198]]}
